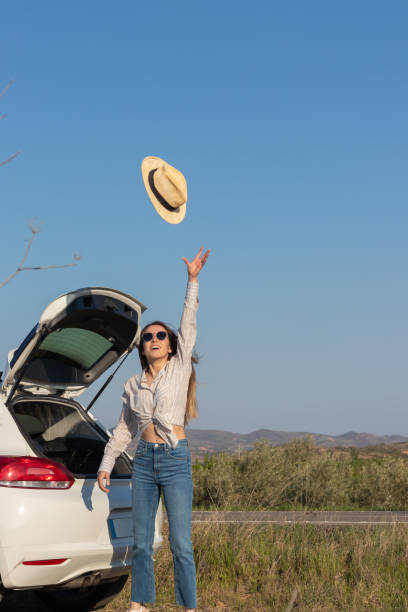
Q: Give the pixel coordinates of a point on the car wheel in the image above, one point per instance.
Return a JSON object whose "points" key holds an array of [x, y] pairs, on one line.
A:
{"points": [[3, 591], [82, 600]]}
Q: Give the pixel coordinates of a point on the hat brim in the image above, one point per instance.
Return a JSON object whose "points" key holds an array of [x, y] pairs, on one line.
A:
{"points": [[149, 164]]}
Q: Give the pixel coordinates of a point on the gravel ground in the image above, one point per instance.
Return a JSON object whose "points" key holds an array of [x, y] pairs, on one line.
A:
{"points": [[28, 601]]}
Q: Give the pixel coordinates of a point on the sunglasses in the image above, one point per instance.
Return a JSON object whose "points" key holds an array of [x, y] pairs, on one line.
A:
{"points": [[148, 336]]}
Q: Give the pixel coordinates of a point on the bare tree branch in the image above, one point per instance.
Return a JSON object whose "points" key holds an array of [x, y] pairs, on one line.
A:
{"points": [[6, 161], [9, 84], [20, 268], [46, 268]]}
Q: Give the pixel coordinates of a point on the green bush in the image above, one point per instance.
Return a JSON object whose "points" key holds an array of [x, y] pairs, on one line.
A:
{"points": [[298, 475]]}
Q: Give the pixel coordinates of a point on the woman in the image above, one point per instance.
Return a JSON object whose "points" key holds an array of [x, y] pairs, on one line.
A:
{"points": [[157, 404]]}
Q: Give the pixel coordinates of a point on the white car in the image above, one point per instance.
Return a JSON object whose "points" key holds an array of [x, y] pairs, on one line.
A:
{"points": [[59, 533]]}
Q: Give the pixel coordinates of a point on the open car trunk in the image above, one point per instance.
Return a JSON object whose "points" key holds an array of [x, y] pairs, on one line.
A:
{"points": [[61, 430], [78, 337]]}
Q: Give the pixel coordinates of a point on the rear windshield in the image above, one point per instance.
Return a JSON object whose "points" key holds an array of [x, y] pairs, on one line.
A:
{"points": [[81, 346], [62, 432]]}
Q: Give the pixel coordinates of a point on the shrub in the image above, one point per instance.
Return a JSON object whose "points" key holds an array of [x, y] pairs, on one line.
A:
{"points": [[299, 475]]}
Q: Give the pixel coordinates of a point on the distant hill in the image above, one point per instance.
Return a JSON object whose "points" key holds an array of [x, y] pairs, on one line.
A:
{"points": [[214, 441]]}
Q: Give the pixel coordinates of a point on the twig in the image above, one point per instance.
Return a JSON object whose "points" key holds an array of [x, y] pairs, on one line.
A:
{"points": [[6, 161], [291, 603], [20, 268], [9, 84], [47, 267]]}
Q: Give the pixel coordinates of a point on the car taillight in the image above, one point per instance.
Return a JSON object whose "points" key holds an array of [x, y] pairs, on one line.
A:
{"points": [[34, 473], [45, 562]]}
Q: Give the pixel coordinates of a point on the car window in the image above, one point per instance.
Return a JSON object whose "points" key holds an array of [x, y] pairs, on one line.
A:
{"points": [[81, 346]]}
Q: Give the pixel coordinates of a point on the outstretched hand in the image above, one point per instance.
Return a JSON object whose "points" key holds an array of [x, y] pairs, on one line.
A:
{"points": [[194, 267]]}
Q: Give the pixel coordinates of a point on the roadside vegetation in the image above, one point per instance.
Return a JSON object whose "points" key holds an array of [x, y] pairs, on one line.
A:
{"points": [[303, 567], [299, 475], [295, 567]]}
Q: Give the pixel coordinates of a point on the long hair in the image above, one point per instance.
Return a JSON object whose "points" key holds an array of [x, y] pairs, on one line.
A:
{"points": [[191, 404]]}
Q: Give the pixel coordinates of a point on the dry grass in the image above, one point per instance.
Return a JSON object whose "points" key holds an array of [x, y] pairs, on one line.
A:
{"points": [[297, 567], [300, 568]]}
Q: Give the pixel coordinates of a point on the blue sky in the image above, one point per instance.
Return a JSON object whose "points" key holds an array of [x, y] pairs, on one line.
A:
{"points": [[289, 122]]}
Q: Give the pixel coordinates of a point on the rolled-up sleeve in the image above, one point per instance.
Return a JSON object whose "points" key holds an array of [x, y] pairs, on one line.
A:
{"points": [[121, 437]]}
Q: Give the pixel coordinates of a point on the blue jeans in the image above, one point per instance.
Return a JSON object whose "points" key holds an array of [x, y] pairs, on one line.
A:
{"points": [[157, 468]]}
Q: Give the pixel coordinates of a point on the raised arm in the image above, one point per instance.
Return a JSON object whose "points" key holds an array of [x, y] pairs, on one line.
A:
{"points": [[188, 329]]}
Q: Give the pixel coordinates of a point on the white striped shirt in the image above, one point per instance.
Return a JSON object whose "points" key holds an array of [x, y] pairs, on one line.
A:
{"points": [[163, 403]]}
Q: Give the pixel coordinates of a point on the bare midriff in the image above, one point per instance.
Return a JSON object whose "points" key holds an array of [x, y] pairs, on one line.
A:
{"points": [[150, 434]]}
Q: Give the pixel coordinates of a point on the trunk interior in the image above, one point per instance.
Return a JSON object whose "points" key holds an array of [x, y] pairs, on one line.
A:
{"points": [[61, 430]]}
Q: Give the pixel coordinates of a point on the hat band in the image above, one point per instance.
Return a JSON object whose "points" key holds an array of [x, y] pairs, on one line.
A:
{"points": [[158, 195]]}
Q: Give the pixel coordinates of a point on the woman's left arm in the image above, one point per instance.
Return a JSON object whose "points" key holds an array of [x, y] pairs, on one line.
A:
{"points": [[188, 330]]}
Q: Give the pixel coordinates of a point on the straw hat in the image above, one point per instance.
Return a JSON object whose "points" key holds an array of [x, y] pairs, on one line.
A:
{"points": [[166, 187]]}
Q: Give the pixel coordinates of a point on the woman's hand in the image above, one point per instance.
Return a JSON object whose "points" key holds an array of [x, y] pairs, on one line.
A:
{"points": [[194, 267], [104, 476]]}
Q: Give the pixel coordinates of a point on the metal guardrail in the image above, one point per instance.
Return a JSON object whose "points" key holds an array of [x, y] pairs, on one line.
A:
{"points": [[316, 518]]}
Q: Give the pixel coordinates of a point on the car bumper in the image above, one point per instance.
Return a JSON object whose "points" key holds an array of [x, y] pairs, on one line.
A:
{"points": [[81, 565], [91, 531]]}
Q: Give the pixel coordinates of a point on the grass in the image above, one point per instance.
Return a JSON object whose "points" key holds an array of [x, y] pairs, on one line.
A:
{"points": [[263, 567], [302, 568]]}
